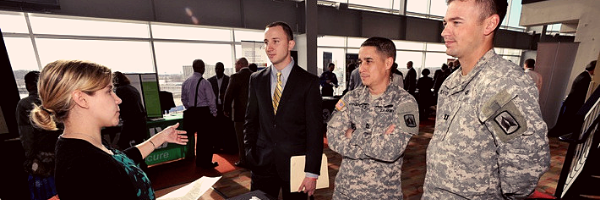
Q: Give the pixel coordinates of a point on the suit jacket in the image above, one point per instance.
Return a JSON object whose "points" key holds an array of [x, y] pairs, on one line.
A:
{"points": [[578, 92], [271, 140], [237, 92], [410, 82], [215, 86]]}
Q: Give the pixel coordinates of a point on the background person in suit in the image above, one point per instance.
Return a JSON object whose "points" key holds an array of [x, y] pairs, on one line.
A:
{"points": [[410, 82], [575, 100], [237, 93], [223, 127], [277, 130]]}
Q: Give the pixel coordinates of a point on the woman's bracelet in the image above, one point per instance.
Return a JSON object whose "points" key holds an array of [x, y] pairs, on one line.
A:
{"points": [[152, 144]]}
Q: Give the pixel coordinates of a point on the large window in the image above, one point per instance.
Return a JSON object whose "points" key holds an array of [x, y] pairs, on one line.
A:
{"points": [[45, 24], [122, 45], [124, 56], [436, 9], [12, 22], [160, 31], [20, 53]]}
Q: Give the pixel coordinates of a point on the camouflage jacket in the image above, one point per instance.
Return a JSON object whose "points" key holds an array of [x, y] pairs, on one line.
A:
{"points": [[490, 141], [372, 159]]}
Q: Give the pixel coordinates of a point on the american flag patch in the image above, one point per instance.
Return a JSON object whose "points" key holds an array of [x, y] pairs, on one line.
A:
{"points": [[340, 105]]}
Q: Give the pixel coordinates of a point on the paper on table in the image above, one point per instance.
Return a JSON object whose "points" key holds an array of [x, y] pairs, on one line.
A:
{"points": [[297, 173], [192, 191]]}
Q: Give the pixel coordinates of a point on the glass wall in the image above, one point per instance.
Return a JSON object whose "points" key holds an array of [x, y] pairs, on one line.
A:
{"points": [[433, 9], [126, 46]]}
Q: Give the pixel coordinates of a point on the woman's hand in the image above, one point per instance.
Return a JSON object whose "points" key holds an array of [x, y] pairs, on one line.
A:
{"points": [[172, 135]]}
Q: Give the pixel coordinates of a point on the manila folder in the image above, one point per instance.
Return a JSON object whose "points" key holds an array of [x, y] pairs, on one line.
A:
{"points": [[297, 173]]}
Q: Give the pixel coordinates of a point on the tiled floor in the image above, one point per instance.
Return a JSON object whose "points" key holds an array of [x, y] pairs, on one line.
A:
{"points": [[236, 181]]}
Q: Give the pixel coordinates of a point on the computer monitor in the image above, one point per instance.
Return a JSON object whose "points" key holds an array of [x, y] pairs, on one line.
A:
{"points": [[147, 84]]}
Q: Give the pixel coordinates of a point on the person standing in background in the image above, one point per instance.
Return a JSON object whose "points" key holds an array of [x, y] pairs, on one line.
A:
{"points": [[38, 144], [198, 98], [425, 96], [355, 80], [574, 100], [537, 77], [237, 93], [133, 130], [253, 67], [283, 119], [438, 78], [328, 81], [410, 81], [224, 132], [397, 76]]}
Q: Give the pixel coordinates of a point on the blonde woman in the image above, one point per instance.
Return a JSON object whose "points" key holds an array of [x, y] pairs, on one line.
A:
{"points": [[80, 95]]}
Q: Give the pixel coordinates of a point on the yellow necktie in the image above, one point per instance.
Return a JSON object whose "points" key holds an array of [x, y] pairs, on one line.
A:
{"points": [[277, 93]]}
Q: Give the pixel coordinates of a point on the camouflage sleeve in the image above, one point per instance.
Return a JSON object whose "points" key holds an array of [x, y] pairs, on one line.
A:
{"points": [[514, 118], [336, 132], [389, 147]]}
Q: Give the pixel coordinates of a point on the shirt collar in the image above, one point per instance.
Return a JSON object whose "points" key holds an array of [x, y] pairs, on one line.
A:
{"points": [[462, 81], [285, 72]]}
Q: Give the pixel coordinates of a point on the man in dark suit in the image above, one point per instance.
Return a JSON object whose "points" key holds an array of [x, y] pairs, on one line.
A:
{"points": [[283, 119], [224, 126], [410, 82], [237, 93], [575, 100]]}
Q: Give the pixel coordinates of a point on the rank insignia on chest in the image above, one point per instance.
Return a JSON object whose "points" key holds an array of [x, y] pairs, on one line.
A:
{"points": [[507, 122], [410, 121]]}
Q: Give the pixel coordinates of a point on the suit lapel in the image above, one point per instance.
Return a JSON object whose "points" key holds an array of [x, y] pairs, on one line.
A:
{"points": [[290, 85], [265, 87], [224, 84]]}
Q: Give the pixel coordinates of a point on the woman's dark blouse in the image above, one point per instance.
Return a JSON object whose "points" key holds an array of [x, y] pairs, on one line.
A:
{"points": [[86, 172]]}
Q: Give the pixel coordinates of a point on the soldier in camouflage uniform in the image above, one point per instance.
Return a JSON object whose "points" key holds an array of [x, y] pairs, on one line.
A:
{"points": [[384, 117], [490, 141]]}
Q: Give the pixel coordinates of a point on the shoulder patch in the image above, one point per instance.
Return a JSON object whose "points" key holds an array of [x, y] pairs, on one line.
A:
{"points": [[503, 117], [410, 121], [507, 122], [340, 105]]}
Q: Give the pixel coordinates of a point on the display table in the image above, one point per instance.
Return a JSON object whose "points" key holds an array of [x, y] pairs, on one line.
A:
{"points": [[167, 151]]}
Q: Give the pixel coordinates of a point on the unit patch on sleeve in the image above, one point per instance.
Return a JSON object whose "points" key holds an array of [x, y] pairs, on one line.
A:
{"points": [[503, 117], [410, 121], [507, 122]]}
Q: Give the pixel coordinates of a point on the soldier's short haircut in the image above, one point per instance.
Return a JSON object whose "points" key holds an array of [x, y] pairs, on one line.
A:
{"points": [[286, 28], [490, 7], [383, 45]]}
